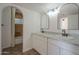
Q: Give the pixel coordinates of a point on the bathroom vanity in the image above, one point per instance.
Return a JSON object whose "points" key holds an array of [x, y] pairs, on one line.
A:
{"points": [[55, 44], [59, 43]]}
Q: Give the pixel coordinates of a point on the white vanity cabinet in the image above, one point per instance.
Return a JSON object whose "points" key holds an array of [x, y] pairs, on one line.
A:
{"points": [[65, 52], [53, 49], [69, 48], [40, 44], [52, 46], [59, 47]]}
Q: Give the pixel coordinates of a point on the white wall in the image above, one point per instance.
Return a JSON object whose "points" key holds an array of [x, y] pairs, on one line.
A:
{"points": [[31, 24]]}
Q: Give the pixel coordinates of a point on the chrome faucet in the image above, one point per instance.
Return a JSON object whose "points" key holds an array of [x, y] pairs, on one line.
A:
{"points": [[42, 30], [64, 33]]}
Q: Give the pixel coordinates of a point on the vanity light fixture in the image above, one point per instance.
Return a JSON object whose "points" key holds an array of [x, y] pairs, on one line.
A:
{"points": [[53, 12], [50, 13]]}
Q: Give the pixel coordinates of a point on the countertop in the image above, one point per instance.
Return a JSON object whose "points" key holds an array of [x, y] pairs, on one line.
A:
{"points": [[59, 37]]}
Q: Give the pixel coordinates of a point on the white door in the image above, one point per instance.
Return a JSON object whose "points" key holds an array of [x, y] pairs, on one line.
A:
{"points": [[6, 27], [8, 17]]}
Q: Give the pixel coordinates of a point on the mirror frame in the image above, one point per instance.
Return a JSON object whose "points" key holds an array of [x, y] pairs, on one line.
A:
{"points": [[58, 22], [41, 21]]}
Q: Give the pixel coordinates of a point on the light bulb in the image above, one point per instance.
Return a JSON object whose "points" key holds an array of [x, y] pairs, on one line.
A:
{"points": [[53, 12], [50, 13]]}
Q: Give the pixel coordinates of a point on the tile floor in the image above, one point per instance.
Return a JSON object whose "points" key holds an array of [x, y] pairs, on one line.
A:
{"points": [[17, 50]]}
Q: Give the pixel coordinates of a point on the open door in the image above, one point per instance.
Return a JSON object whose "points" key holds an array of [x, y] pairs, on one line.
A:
{"points": [[12, 31], [6, 27]]}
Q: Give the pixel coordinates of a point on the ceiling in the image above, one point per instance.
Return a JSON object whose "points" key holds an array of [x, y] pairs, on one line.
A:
{"points": [[39, 7]]}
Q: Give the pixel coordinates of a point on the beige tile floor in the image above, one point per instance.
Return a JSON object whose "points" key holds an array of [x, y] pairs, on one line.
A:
{"points": [[17, 50]]}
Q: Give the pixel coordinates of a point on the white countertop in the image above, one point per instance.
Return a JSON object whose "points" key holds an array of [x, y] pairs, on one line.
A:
{"points": [[69, 39]]}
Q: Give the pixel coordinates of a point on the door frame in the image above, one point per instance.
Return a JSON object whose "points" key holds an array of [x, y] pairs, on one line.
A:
{"points": [[23, 19]]}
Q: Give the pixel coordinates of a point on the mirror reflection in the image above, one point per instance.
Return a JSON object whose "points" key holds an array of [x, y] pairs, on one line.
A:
{"points": [[68, 17]]}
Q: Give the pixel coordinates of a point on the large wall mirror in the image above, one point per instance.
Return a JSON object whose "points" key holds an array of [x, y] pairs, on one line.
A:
{"points": [[68, 17], [44, 22]]}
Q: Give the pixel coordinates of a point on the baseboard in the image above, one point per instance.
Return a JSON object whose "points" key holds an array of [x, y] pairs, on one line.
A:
{"points": [[26, 50], [5, 47], [36, 51], [0, 53]]}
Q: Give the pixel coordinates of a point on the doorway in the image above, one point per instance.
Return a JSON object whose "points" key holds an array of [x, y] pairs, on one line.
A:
{"points": [[12, 31]]}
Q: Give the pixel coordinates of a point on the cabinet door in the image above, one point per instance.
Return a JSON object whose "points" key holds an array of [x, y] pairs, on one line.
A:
{"points": [[68, 48], [40, 44], [52, 48], [66, 52], [34, 42]]}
